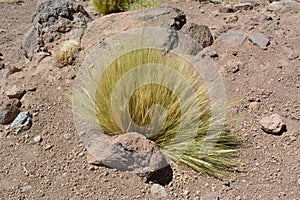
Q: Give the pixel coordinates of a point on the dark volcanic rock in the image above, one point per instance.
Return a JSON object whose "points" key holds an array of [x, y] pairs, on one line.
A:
{"points": [[53, 20], [8, 114], [200, 33]]}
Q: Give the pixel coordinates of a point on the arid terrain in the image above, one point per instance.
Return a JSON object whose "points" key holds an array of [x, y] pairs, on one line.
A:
{"points": [[50, 162]]}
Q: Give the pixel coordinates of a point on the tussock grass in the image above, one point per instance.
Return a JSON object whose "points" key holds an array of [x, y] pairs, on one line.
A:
{"points": [[172, 109], [112, 6], [65, 55]]}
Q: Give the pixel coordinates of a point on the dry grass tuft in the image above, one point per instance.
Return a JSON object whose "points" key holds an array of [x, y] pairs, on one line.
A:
{"points": [[65, 55], [179, 125], [112, 6]]}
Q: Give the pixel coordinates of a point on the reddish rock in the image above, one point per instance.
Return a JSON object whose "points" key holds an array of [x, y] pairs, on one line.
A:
{"points": [[9, 111], [127, 152], [273, 124]]}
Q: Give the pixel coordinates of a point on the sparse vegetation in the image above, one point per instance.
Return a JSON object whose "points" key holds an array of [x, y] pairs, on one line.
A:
{"points": [[111, 6], [179, 130], [66, 52]]}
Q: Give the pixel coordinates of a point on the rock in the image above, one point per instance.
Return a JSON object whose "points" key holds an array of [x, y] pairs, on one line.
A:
{"points": [[12, 70], [275, 6], [221, 30], [8, 113], [289, 2], [227, 183], [37, 139], [12, 102], [293, 56], [53, 20], [25, 188], [15, 92], [227, 9], [235, 69], [128, 152], [169, 21], [67, 136], [22, 122], [210, 52], [233, 66], [212, 195], [233, 38], [186, 192], [200, 33], [48, 147], [216, 1], [273, 124], [254, 99], [110, 25], [254, 106], [289, 5], [158, 190], [232, 19], [259, 39], [252, 2], [238, 7], [243, 6], [2, 30]]}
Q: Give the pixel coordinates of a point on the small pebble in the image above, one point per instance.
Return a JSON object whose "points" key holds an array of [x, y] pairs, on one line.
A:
{"points": [[226, 183], [159, 190], [235, 69], [81, 154], [48, 147], [254, 106], [37, 139], [25, 188], [67, 136], [293, 56], [186, 192], [106, 173]]}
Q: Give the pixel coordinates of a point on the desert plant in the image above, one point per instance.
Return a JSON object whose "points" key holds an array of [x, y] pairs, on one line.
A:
{"points": [[179, 125], [65, 54], [111, 6]]}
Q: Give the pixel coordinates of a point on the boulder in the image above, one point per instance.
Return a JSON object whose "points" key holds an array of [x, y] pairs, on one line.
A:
{"points": [[131, 152], [109, 25], [53, 20], [169, 18], [201, 34]]}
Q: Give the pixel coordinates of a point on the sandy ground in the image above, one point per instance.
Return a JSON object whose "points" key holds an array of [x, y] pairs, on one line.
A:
{"points": [[56, 168]]}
